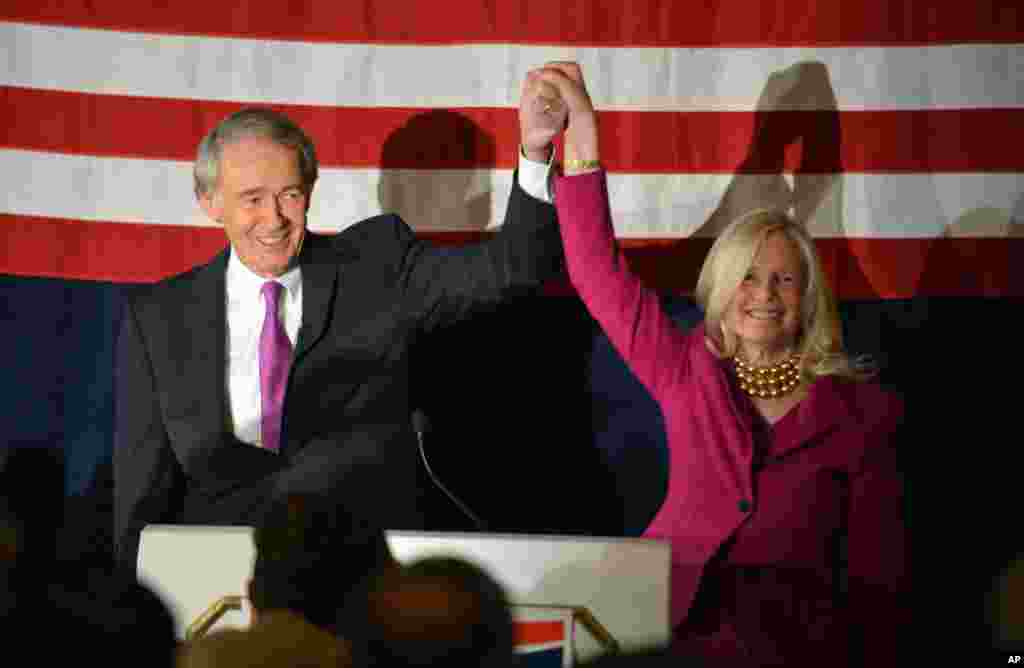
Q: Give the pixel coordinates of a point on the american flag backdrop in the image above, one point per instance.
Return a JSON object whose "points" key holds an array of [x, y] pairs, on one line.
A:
{"points": [[892, 128]]}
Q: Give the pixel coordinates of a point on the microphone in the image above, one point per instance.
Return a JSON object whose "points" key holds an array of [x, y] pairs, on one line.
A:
{"points": [[421, 425]]}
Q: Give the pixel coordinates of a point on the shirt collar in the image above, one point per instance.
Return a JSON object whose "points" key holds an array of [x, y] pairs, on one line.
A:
{"points": [[242, 281]]}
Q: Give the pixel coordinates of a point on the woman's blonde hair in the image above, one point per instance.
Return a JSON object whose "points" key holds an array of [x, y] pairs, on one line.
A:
{"points": [[820, 339]]}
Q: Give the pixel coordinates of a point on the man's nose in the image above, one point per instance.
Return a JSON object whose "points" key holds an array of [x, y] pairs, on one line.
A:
{"points": [[277, 209]]}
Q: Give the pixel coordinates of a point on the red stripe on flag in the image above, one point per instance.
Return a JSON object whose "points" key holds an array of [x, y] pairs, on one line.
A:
{"points": [[572, 22], [535, 633], [967, 140], [118, 252], [858, 268], [171, 129]]}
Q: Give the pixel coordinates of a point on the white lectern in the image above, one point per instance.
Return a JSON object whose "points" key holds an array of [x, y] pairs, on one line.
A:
{"points": [[622, 582]]}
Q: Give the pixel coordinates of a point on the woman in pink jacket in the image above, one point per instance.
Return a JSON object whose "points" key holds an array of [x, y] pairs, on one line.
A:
{"points": [[784, 505]]}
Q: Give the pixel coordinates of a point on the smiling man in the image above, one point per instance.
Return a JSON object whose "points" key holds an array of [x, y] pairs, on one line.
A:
{"points": [[282, 365], [261, 202]]}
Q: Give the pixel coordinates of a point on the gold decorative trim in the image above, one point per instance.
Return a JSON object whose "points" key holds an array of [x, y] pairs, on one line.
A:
{"points": [[587, 619], [204, 622]]}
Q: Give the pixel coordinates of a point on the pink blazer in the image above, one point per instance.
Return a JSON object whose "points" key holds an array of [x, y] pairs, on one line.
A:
{"points": [[768, 503]]}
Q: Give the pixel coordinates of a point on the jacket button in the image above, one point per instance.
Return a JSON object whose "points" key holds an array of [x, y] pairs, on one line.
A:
{"points": [[744, 506]]}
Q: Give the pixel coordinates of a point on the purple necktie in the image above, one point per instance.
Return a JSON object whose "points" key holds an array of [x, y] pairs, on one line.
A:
{"points": [[275, 358]]}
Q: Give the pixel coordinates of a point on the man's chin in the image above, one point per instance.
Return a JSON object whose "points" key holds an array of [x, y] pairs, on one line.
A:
{"points": [[271, 268], [283, 267]]}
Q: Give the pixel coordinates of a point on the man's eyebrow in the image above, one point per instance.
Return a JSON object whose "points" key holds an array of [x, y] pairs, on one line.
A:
{"points": [[259, 190]]}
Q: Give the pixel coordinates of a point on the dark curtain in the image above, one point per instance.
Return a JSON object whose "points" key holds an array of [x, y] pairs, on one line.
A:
{"points": [[554, 435]]}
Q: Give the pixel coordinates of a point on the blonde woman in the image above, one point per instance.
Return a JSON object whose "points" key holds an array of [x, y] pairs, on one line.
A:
{"points": [[784, 503]]}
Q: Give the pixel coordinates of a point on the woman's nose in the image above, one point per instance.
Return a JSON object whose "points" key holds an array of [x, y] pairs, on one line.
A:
{"points": [[767, 289]]}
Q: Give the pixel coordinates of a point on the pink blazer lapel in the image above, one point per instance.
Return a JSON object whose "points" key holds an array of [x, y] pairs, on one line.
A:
{"points": [[826, 408]]}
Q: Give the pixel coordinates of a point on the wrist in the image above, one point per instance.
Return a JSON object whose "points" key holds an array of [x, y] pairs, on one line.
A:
{"points": [[541, 155], [572, 167], [582, 150], [581, 158]]}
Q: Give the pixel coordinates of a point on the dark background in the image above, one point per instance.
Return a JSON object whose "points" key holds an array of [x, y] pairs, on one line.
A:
{"points": [[538, 426]]}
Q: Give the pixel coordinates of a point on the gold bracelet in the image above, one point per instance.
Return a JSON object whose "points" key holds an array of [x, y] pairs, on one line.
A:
{"points": [[581, 164]]}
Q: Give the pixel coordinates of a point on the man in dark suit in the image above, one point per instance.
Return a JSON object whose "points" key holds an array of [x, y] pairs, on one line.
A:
{"points": [[282, 365]]}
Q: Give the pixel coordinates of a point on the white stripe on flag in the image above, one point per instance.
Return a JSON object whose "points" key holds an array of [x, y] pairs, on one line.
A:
{"points": [[644, 205], [490, 75]]}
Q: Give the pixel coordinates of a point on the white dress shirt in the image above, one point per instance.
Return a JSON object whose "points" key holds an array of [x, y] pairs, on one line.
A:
{"points": [[535, 177], [245, 311]]}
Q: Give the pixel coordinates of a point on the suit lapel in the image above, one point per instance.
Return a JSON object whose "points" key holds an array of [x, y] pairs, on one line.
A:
{"points": [[320, 269], [202, 350], [824, 409], [323, 260]]}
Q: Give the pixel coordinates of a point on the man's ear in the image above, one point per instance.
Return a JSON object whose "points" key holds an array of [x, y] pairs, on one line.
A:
{"points": [[212, 206], [309, 195]]}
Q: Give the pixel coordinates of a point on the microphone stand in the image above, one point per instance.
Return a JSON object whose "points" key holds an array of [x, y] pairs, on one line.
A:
{"points": [[420, 425]]}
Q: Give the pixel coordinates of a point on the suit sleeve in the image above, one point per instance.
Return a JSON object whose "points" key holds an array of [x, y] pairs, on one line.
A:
{"points": [[147, 476], [443, 285]]}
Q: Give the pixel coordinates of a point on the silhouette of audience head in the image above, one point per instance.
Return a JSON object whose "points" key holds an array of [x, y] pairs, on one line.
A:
{"points": [[1005, 607], [282, 640], [31, 513], [91, 608], [436, 611], [31, 503], [115, 614], [310, 554]]}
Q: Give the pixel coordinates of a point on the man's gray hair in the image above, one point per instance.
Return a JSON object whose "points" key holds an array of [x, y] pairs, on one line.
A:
{"points": [[251, 122]]}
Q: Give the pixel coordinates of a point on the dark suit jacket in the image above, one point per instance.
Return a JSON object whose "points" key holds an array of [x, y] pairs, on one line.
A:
{"points": [[368, 292]]}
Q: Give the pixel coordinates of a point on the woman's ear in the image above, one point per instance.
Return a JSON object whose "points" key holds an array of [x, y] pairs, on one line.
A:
{"points": [[718, 343], [729, 343], [714, 347]]}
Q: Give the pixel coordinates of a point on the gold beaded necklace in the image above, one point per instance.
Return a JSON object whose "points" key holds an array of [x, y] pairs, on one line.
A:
{"points": [[768, 382]]}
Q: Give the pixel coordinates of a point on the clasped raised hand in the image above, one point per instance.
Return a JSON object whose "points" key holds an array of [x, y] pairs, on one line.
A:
{"points": [[542, 115], [581, 139]]}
